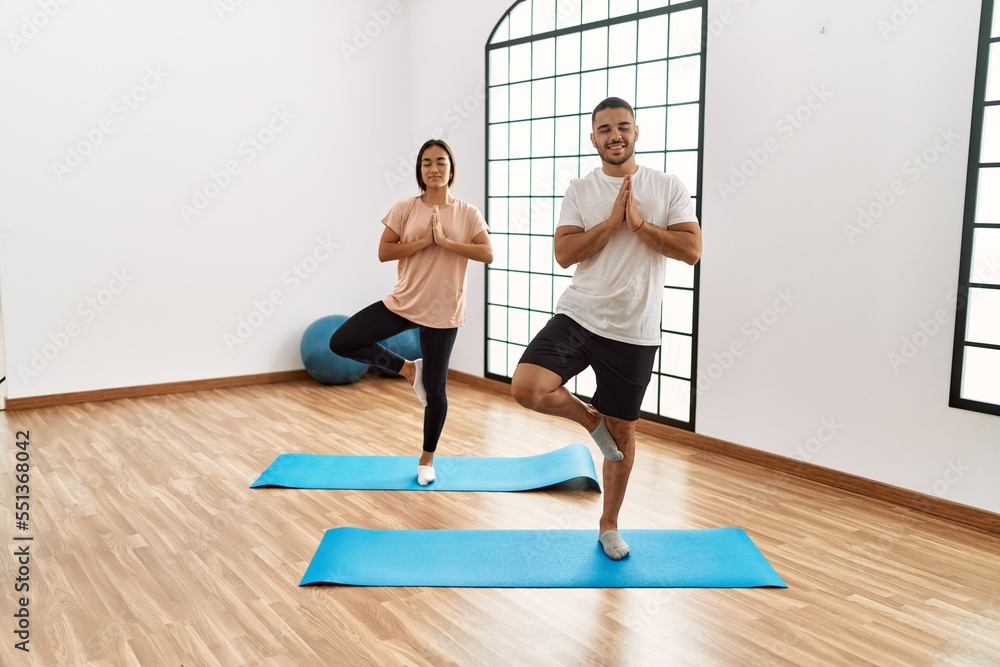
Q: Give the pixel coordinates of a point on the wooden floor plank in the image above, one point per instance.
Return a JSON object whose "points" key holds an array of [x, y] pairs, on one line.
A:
{"points": [[149, 547]]}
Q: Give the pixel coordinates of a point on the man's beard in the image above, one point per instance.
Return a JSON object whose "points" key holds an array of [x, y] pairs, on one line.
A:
{"points": [[606, 156]]}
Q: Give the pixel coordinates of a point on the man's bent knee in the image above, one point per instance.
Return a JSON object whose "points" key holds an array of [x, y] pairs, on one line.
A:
{"points": [[527, 387], [525, 392]]}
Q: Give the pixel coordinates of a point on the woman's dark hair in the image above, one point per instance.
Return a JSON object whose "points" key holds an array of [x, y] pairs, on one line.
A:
{"points": [[420, 157]]}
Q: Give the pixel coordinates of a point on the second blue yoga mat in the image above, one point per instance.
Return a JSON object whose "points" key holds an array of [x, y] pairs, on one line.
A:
{"points": [[571, 465], [709, 558]]}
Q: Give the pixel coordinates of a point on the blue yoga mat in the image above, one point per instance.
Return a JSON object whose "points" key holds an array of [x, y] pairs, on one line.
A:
{"points": [[572, 466], [710, 558]]}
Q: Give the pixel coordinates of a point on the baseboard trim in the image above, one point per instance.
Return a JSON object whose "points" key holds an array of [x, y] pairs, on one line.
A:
{"points": [[479, 382], [52, 400], [940, 508]]}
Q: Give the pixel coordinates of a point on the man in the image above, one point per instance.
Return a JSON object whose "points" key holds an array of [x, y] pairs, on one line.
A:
{"points": [[620, 223]]}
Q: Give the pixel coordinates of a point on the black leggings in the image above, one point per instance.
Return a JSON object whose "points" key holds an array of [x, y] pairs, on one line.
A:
{"points": [[358, 338]]}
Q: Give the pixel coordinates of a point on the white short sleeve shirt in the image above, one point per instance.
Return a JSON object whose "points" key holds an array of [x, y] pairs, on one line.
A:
{"points": [[617, 293]]}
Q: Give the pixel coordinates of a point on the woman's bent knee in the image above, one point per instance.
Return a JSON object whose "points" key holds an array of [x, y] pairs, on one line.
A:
{"points": [[340, 344]]}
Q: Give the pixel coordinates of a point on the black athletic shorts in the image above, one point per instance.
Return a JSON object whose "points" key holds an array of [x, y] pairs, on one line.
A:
{"points": [[623, 370]]}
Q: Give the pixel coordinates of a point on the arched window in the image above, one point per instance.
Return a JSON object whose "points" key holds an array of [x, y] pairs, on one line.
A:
{"points": [[548, 63], [975, 377]]}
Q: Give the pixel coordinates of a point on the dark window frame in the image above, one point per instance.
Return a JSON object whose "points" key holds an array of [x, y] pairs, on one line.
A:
{"points": [[979, 106], [694, 288]]}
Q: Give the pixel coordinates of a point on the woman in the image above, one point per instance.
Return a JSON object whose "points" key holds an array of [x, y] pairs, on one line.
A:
{"points": [[432, 237]]}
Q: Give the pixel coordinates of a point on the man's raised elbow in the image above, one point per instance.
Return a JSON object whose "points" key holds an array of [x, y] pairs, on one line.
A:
{"points": [[560, 255], [692, 255]]}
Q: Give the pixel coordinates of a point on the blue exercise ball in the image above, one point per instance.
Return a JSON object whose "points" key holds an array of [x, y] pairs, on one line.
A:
{"points": [[406, 345], [321, 363]]}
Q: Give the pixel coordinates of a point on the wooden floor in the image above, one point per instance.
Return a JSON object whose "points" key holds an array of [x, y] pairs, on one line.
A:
{"points": [[150, 549]]}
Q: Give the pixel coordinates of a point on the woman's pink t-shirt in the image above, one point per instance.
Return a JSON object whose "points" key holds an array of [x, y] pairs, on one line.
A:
{"points": [[430, 287]]}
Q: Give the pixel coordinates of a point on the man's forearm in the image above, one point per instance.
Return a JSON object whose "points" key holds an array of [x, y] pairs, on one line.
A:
{"points": [[680, 244], [576, 247]]}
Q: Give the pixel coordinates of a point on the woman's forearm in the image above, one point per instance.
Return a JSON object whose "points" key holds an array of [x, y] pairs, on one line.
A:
{"points": [[388, 252], [478, 252]]}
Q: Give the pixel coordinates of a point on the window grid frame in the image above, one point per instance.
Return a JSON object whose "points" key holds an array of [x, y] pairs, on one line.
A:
{"points": [[701, 55], [970, 225]]}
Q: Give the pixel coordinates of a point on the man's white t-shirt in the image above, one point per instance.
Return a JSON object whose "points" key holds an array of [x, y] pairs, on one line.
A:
{"points": [[617, 292]]}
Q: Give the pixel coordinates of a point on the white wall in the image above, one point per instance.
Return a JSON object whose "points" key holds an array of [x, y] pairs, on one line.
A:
{"points": [[817, 384], [448, 99], [166, 290], [816, 381]]}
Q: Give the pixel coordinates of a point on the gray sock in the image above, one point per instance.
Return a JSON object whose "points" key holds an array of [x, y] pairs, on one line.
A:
{"points": [[614, 545], [602, 436]]}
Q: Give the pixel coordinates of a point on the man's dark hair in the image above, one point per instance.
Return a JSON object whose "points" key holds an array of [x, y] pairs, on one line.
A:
{"points": [[612, 103], [420, 158]]}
